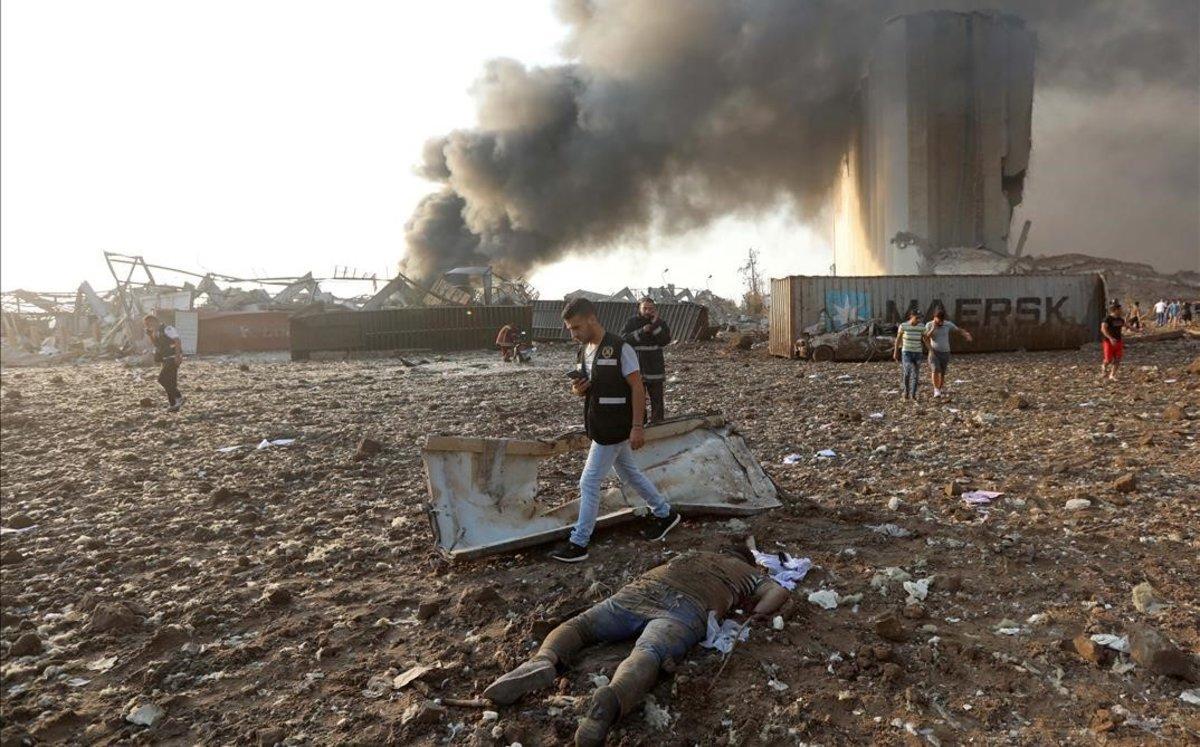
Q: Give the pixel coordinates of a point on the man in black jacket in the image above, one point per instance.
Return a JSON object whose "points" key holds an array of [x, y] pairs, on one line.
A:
{"points": [[648, 333], [168, 350], [614, 404]]}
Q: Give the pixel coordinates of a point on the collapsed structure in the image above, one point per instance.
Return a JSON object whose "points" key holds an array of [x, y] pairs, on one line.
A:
{"points": [[461, 309], [219, 313], [938, 163]]}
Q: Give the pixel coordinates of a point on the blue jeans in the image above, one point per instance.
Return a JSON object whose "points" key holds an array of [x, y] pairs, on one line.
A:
{"points": [[601, 459], [910, 372], [663, 637]]}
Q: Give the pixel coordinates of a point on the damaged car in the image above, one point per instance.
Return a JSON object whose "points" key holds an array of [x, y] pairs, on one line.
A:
{"points": [[872, 339]]}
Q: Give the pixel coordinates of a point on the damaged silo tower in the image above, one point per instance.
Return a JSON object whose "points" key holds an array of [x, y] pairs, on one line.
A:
{"points": [[938, 163]]}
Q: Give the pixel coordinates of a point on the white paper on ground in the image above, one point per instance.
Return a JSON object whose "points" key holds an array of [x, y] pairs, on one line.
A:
{"points": [[1115, 642], [826, 453], [826, 598], [720, 636], [276, 442], [918, 589], [981, 496]]}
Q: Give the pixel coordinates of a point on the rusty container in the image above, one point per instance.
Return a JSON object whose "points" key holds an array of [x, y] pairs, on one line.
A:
{"points": [[1003, 312]]}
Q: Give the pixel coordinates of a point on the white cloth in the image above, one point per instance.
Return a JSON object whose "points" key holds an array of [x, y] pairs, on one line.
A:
{"points": [[629, 361], [721, 636], [1160, 307], [171, 332], [786, 572]]}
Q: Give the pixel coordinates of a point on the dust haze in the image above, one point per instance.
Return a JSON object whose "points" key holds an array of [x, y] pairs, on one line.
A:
{"points": [[674, 113]]}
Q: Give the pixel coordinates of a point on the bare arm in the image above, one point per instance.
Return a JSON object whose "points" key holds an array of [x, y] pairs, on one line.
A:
{"points": [[638, 396], [771, 597]]}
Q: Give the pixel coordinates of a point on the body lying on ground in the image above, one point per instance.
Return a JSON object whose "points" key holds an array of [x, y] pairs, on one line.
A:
{"points": [[666, 608]]}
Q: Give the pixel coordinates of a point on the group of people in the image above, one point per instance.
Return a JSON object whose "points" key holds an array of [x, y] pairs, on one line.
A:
{"points": [[913, 337], [1173, 313]]}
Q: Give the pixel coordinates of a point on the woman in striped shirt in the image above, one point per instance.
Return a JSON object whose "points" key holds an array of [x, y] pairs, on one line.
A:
{"points": [[909, 351]]}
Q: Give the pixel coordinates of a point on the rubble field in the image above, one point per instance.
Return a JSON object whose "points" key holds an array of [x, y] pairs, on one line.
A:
{"points": [[167, 581]]}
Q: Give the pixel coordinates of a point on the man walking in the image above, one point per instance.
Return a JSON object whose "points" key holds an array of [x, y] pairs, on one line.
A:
{"points": [[1113, 344], [667, 609], [908, 351], [168, 350], [614, 405], [1160, 313], [937, 334], [648, 334], [506, 340]]}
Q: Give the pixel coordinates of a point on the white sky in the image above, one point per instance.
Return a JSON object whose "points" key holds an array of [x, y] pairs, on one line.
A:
{"points": [[274, 138]]}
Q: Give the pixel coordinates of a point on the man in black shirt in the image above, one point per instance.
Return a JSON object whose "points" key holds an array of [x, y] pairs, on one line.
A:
{"points": [[1114, 346], [168, 350], [648, 333]]}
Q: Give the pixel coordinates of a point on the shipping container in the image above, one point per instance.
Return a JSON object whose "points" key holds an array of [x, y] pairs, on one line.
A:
{"points": [[1002, 312], [242, 331], [688, 321], [421, 328]]}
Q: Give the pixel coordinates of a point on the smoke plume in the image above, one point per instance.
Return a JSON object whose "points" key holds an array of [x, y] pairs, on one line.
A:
{"points": [[674, 113]]}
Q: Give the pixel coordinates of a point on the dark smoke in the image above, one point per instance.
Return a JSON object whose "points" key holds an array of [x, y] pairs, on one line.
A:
{"points": [[673, 113]]}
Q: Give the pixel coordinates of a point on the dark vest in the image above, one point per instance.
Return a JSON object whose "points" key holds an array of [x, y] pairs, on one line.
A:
{"points": [[164, 347], [608, 406], [650, 349]]}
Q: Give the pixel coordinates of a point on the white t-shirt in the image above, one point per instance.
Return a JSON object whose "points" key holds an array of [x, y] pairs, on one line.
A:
{"points": [[629, 361], [1160, 307]]}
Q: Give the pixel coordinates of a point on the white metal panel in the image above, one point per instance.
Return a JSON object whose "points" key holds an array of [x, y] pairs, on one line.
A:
{"points": [[187, 324]]}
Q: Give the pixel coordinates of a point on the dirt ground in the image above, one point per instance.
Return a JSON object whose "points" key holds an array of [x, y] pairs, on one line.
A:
{"points": [[271, 595]]}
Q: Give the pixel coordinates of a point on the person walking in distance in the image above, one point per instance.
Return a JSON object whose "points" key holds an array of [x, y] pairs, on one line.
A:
{"points": [[168, 350], [607, 377], [937, 334], [1160, 313], [648, 333], [1113, 345], [909, 351], [1135, 317]]}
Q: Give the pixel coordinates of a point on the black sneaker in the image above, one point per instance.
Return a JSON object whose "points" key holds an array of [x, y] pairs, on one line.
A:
{"points": [[657, 528], [569, 552]]}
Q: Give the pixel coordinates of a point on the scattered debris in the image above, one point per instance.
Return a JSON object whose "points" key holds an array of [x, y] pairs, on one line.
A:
{"points": [[656, 716], [145, 715], [890, 530], [825, 598], [1146, 600]]}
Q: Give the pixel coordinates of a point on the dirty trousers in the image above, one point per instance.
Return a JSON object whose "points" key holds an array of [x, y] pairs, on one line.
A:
{"points": [[168, 377], [910, 372], [654, 398], [601, 459], [658, 639]]}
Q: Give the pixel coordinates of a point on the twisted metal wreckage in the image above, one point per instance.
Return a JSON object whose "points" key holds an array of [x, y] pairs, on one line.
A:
{"points": [[108, 323]]}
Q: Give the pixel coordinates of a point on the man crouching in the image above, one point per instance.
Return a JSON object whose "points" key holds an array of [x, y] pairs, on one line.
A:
{"points": [[667, 609]]}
